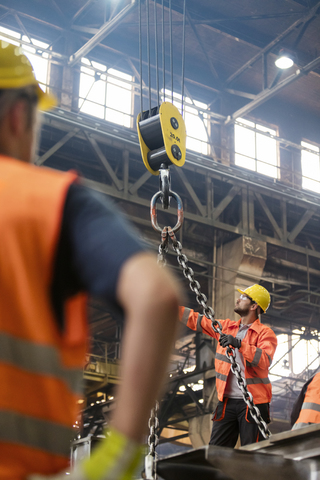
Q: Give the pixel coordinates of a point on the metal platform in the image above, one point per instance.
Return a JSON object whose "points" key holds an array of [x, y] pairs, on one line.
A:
{"points": [[292, 455]]}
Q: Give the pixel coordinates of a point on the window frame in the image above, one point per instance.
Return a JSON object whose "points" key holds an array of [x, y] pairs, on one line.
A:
{"points": [[256, 131], [305, 149], [88, 64]]}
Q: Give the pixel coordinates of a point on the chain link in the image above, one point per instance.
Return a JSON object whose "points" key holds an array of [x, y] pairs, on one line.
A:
{"points": [[153, 441], [216, 326]]}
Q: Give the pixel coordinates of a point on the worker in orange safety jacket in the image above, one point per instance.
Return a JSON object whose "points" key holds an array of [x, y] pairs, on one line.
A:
{"points": [[306, 409], [254, 345], [59, 242]]}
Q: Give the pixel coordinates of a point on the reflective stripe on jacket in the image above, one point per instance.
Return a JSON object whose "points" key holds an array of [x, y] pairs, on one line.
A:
{"points": [[41, 368], [257, 348], [310, 409]]}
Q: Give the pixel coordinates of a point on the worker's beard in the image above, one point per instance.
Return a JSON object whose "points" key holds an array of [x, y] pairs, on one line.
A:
{"points": [[243, 312]]}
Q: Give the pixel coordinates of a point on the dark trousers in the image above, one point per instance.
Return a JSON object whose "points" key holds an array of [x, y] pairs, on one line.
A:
{"points": [[231, 418]]}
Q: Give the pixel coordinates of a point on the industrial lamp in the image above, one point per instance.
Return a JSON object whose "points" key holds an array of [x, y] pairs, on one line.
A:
{"points": [[285, 59]]}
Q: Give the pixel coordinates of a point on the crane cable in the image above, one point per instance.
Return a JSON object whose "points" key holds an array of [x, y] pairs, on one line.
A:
{"points": [[161, 128]]}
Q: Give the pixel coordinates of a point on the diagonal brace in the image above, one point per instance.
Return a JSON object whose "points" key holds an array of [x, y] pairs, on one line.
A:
{"points": [[104, 162], [191, 192], [225, 202], [56, 147], [101, 34], [269, 215], [303, 221]]}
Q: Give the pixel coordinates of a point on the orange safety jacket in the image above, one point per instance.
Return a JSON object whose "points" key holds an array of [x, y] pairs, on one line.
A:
{"points": [[310, 409], [257, 348], [41, 368]]}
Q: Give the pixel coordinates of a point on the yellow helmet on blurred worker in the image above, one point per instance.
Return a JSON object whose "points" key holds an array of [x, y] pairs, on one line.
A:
{"points": [[16, 72], [258, 294]]}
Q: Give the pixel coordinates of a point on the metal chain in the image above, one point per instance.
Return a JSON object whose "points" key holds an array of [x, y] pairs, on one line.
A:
{"points": [[153, 440], [163, 248], [216, 326]]}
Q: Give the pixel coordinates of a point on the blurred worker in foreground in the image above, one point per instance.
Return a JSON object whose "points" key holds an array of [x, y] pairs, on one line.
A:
{"points": [[59, 240], [306, 409], [254, 345]]}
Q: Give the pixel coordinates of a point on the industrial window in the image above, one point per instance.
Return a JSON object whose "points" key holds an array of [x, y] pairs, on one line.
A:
{"points": [[256, 151], [305, 354], [38, 58], [196, 121], [105, 93], [310, 167]]}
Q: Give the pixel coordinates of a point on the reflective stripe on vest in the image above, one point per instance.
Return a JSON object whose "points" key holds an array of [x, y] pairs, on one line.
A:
{"points": [[311, 406], [185, 316], [199, 320], [33, 432], [257, 380], [256, 358], [39, 359], [222, 358], [221, 377]]}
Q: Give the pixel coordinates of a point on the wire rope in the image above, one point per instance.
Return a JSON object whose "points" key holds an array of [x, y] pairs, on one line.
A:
{"points": [[156, 50], [171, 47], [163, 52], [148, 54], [183, 54], [140, 55], [163, 55]]}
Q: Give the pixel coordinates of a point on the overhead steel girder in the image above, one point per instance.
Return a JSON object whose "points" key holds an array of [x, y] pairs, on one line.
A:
{"points": [[268, 93], [243, 188], [81, 10], [107, 28], [274, 42]]}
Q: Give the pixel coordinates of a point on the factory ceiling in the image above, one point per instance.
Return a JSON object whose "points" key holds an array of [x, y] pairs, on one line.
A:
{"points": [[230, 46]]}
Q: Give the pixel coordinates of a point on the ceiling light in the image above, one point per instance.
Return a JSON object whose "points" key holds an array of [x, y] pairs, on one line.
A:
{"points": [[284, 60]]}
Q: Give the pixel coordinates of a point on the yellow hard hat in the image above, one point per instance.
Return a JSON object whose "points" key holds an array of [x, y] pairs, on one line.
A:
{"points": [[258, 294], [16, 72]]}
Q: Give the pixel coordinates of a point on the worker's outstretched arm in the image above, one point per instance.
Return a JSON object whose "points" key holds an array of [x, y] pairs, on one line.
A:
{"points": [[198, 322], [150, 297]]}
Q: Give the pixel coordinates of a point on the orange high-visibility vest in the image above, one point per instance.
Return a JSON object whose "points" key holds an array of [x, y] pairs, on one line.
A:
{"points": [[41, 368], [257, 348], [310, 409]]}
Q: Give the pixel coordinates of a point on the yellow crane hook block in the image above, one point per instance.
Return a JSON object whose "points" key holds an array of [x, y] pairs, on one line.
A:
{"points": [[162, 137]]}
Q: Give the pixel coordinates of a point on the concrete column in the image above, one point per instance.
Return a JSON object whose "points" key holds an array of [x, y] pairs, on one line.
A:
{"points": [[238, 258]]}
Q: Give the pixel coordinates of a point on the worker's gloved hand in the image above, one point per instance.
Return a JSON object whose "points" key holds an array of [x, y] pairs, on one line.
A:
{"points": [[229, 340], [117, 457]]}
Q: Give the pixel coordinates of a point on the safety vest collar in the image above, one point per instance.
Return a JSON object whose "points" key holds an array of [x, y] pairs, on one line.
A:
{"points": [[256, 326]]}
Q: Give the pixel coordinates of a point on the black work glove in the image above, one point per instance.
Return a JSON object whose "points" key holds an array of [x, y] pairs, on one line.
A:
{"points": [[229, 340]]}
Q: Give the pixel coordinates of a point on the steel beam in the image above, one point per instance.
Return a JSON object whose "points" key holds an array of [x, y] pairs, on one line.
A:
{"points": [[274, 42], [269, 215], [82, 9], [225, 202], [192, 193], [107, 28], [268, 93], [104, 162], [302, 222], [56, 147], [202, 166], [135, 187], [204, 50]]}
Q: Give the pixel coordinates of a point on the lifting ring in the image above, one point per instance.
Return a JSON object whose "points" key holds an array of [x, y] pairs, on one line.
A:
{"points": [[153, 211]]}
